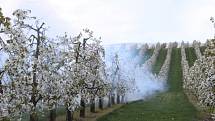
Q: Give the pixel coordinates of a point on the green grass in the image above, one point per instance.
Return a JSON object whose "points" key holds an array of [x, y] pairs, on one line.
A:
{"points": [[190, 55], [160, 60], [171, 105], [175, 71]]}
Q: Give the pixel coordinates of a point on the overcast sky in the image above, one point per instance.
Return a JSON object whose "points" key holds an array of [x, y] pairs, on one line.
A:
{"points": [[118, 21]]}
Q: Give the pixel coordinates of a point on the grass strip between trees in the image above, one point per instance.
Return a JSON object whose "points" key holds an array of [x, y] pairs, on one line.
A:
{"points": [[190, 55]]}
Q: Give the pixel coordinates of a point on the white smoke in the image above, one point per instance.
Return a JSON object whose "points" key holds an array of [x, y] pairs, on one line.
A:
{"points": [[147, 84]]}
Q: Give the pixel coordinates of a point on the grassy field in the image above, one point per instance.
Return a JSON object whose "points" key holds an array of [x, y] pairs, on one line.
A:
{"points": [[190, 55], [172, 105], [160, 60]]}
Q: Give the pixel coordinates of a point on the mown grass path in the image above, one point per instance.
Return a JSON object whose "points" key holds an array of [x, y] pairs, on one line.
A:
{"points": [[190, 55], [171, 105]]}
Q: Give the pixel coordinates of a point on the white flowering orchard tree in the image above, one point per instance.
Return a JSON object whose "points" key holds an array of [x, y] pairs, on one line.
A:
{"points": [[27, 69], [113, 75], [88, 66], [4, 25], [16, 68], [70, 71], [121, 81], [163, 74], [196, 46], [40, 73], [94, 64], [202, 76], [185, 68], [124, 85]]}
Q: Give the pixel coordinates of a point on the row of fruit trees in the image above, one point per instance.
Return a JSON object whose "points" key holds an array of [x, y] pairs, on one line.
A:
{"points": [[41, 73], [200, 78]]}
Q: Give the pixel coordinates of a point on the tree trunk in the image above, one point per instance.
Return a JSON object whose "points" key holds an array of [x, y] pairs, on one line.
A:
{"points": [[52, 115], [69, 116], [33, 116], [82, 110], [109, 101], [101, 103], [123, 99], [1, 89], [92, 105], [112, 99], [118, 99]]}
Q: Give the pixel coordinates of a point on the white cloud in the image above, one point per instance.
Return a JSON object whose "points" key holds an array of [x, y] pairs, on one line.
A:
{"points": [[125, 20]]}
